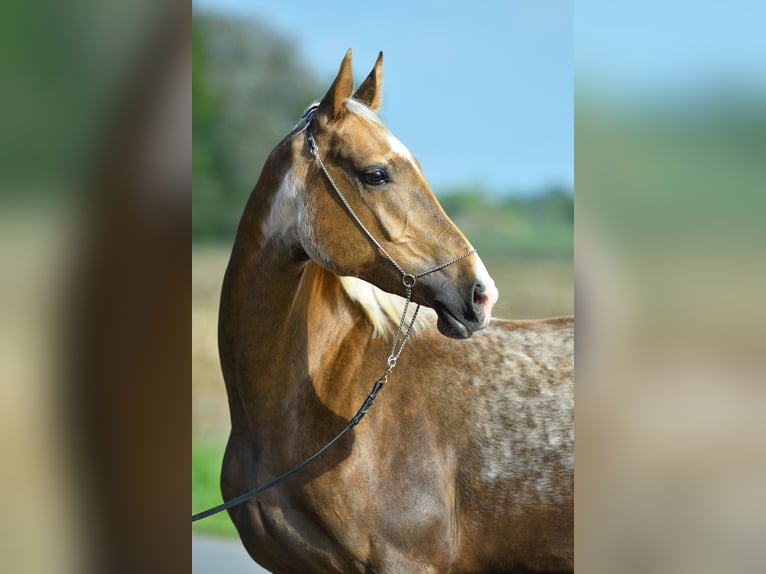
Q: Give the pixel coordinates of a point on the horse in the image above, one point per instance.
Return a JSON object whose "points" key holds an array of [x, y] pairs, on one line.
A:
{"points": [[465, 463]]}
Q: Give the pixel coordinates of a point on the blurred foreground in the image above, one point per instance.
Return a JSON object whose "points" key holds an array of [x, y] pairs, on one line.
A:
{"points": [[671, 401], [94, 229]]}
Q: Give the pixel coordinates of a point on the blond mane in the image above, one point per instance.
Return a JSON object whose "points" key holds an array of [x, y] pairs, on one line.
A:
{"points": [[382, 309]]}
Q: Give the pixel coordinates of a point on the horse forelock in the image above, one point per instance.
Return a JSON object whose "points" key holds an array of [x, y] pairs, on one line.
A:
{"points": [[382, 309], [359, 109]]}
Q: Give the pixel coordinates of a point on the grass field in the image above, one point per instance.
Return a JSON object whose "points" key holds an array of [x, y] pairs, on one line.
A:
{"points": [[530, 286]]}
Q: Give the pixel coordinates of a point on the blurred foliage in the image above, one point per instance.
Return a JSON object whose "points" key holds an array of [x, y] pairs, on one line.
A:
{"points": [[538, 225], [207, 458], [249, 87], [66, 69], [655, 172]]}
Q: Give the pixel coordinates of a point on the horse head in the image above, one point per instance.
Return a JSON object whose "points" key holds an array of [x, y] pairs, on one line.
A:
{"points": [[366, 210]]}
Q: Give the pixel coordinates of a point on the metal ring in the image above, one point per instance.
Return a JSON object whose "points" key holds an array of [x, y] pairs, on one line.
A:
{"points": [[408, 279], [391, 362]]}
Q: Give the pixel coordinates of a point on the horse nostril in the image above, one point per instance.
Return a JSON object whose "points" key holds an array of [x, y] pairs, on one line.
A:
{"points": [[480, 296]]}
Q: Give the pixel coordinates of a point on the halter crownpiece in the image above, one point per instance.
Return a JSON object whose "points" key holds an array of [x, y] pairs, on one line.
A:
{"points": [[308, 115]]}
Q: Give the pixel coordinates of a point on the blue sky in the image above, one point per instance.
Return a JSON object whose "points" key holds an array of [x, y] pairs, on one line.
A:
{"points": [[481, 93], [673, 49]]}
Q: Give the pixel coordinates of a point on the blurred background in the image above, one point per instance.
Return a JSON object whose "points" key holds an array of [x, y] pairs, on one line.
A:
{"points": [[670, 137], [483, 96]]}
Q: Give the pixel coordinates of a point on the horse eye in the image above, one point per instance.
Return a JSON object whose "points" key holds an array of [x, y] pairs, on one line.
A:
{"points": [[375, 176]]}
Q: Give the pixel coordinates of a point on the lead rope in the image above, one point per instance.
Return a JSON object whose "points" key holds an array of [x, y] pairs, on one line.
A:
{"points": [[377, 385], [401, 336]]}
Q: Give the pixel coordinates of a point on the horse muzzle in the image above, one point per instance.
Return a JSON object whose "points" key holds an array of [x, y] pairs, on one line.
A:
{"points": [[460, 316]]}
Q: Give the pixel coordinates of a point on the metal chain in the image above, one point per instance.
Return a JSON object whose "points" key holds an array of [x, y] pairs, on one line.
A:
{"points": [[396, 351]]}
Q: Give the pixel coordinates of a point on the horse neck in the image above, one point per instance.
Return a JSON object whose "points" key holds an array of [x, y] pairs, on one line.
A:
{"points": [[276, 306], [262, 275]]}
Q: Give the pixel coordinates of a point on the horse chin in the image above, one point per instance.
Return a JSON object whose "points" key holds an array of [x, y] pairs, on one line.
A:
{"points": [[449, 326]]}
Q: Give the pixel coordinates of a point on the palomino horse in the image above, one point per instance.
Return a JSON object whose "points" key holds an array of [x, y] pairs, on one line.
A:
{"points": [[466, 462]]}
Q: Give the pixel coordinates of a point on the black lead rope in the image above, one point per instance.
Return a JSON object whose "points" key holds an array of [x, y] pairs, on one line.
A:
{"points": [[396, 350], [261, 489]]}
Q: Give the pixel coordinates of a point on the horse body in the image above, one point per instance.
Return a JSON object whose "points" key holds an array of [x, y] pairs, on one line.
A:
{"points": [[465, 462]]}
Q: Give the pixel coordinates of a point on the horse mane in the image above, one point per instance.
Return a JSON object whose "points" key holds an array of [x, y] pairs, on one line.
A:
{"points": [[382, 309]]}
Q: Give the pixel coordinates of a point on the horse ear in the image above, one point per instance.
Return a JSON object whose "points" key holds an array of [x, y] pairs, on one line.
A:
{"points": [[334, 102], [370, 90]]}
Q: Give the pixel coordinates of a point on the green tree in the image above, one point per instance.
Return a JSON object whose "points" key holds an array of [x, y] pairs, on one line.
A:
{"points": [[249, 88]]}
